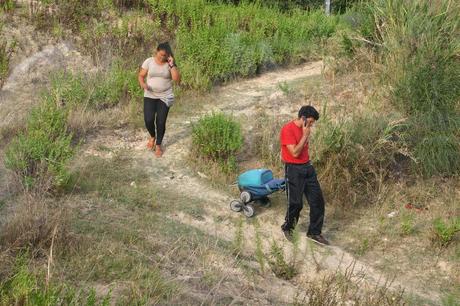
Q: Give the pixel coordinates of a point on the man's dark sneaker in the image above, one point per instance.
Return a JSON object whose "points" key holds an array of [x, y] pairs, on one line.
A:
{"points": [[318, 239], [288, 235]]}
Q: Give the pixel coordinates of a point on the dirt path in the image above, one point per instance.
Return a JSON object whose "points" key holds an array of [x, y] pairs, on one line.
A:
{"points": [[171, 173]]}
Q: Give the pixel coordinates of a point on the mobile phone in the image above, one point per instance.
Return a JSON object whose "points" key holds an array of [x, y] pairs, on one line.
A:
{"points": [[304, 120]]}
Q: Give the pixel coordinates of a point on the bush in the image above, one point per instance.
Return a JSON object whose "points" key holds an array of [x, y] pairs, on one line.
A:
{"points": [[217, 137], [39, 155], [353, 156], [444, 231], [420, 64], [415, 44]]}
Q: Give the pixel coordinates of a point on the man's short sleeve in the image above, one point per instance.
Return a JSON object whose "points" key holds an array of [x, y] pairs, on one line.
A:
{"points": [[145, 64], [287, 136]]}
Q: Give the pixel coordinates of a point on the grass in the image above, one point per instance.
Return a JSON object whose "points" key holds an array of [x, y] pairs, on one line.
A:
{"points": [[6, 51], [341, 289], [121, 240], [416, 67], [96, 92], [409, 238], [444, 231], [239, 40], [39, 156], [25, 287], [120, 221], [355, 155]]}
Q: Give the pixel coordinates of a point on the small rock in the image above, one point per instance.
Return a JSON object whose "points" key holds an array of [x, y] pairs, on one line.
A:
{"points": [[392, 214], [202, 175]]}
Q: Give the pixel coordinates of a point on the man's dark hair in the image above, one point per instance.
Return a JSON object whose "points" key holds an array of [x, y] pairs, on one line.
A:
{"points": [[308, 111], [165, 47]]}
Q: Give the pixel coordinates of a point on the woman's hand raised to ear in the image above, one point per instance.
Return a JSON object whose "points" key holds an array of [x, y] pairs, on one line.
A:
{"points": [[171, 61], [175, 75]]}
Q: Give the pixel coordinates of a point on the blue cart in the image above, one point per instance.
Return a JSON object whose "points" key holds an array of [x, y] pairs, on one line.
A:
{"points": [[255, 185]]}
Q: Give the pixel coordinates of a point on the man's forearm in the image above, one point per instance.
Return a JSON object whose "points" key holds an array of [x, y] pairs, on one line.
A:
{"points": [[299, 147]]}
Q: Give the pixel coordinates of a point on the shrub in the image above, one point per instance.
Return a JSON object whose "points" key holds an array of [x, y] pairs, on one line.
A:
{"points": [[40, 154], [217, 137], [355, 154], [444, 231], [415, 44], [407, 224]]}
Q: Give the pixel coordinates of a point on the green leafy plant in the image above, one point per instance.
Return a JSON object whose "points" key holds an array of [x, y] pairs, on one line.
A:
{"points": [[278, 263], [444, 231], [217, 137], [7, 5], [418, 67], [407, 224], [40, 154]]}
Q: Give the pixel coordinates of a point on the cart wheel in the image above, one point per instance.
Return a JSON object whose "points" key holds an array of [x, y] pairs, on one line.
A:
{"points": [[236, 205], [248, 211], [245, 196]]}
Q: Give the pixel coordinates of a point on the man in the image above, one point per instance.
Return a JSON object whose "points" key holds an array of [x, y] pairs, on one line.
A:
{"points": [[301, 176]]}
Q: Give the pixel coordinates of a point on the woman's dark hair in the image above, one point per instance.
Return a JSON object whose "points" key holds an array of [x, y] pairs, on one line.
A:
{"points": [[165, 47], [308, 111]]}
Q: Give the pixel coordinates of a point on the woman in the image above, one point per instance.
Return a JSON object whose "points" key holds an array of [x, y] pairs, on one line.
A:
{"points": [[156, 76]]}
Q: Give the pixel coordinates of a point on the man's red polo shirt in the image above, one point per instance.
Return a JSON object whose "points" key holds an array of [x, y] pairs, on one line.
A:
{"points": [[291, 134]]}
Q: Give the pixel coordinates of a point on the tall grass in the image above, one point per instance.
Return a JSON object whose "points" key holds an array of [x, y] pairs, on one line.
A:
{"points": [[7, 5], [6, 50], [39, 155], [214, 42], [219, 42], [416, 47], [354, 155], [98, 91], [24, 287]]}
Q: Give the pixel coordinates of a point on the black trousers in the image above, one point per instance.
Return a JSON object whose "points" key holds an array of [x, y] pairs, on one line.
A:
{"points": [[300, 180], [155, 115]]}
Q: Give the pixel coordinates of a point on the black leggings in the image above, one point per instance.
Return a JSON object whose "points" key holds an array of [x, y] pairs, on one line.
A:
{"points": [[155, 113]]}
